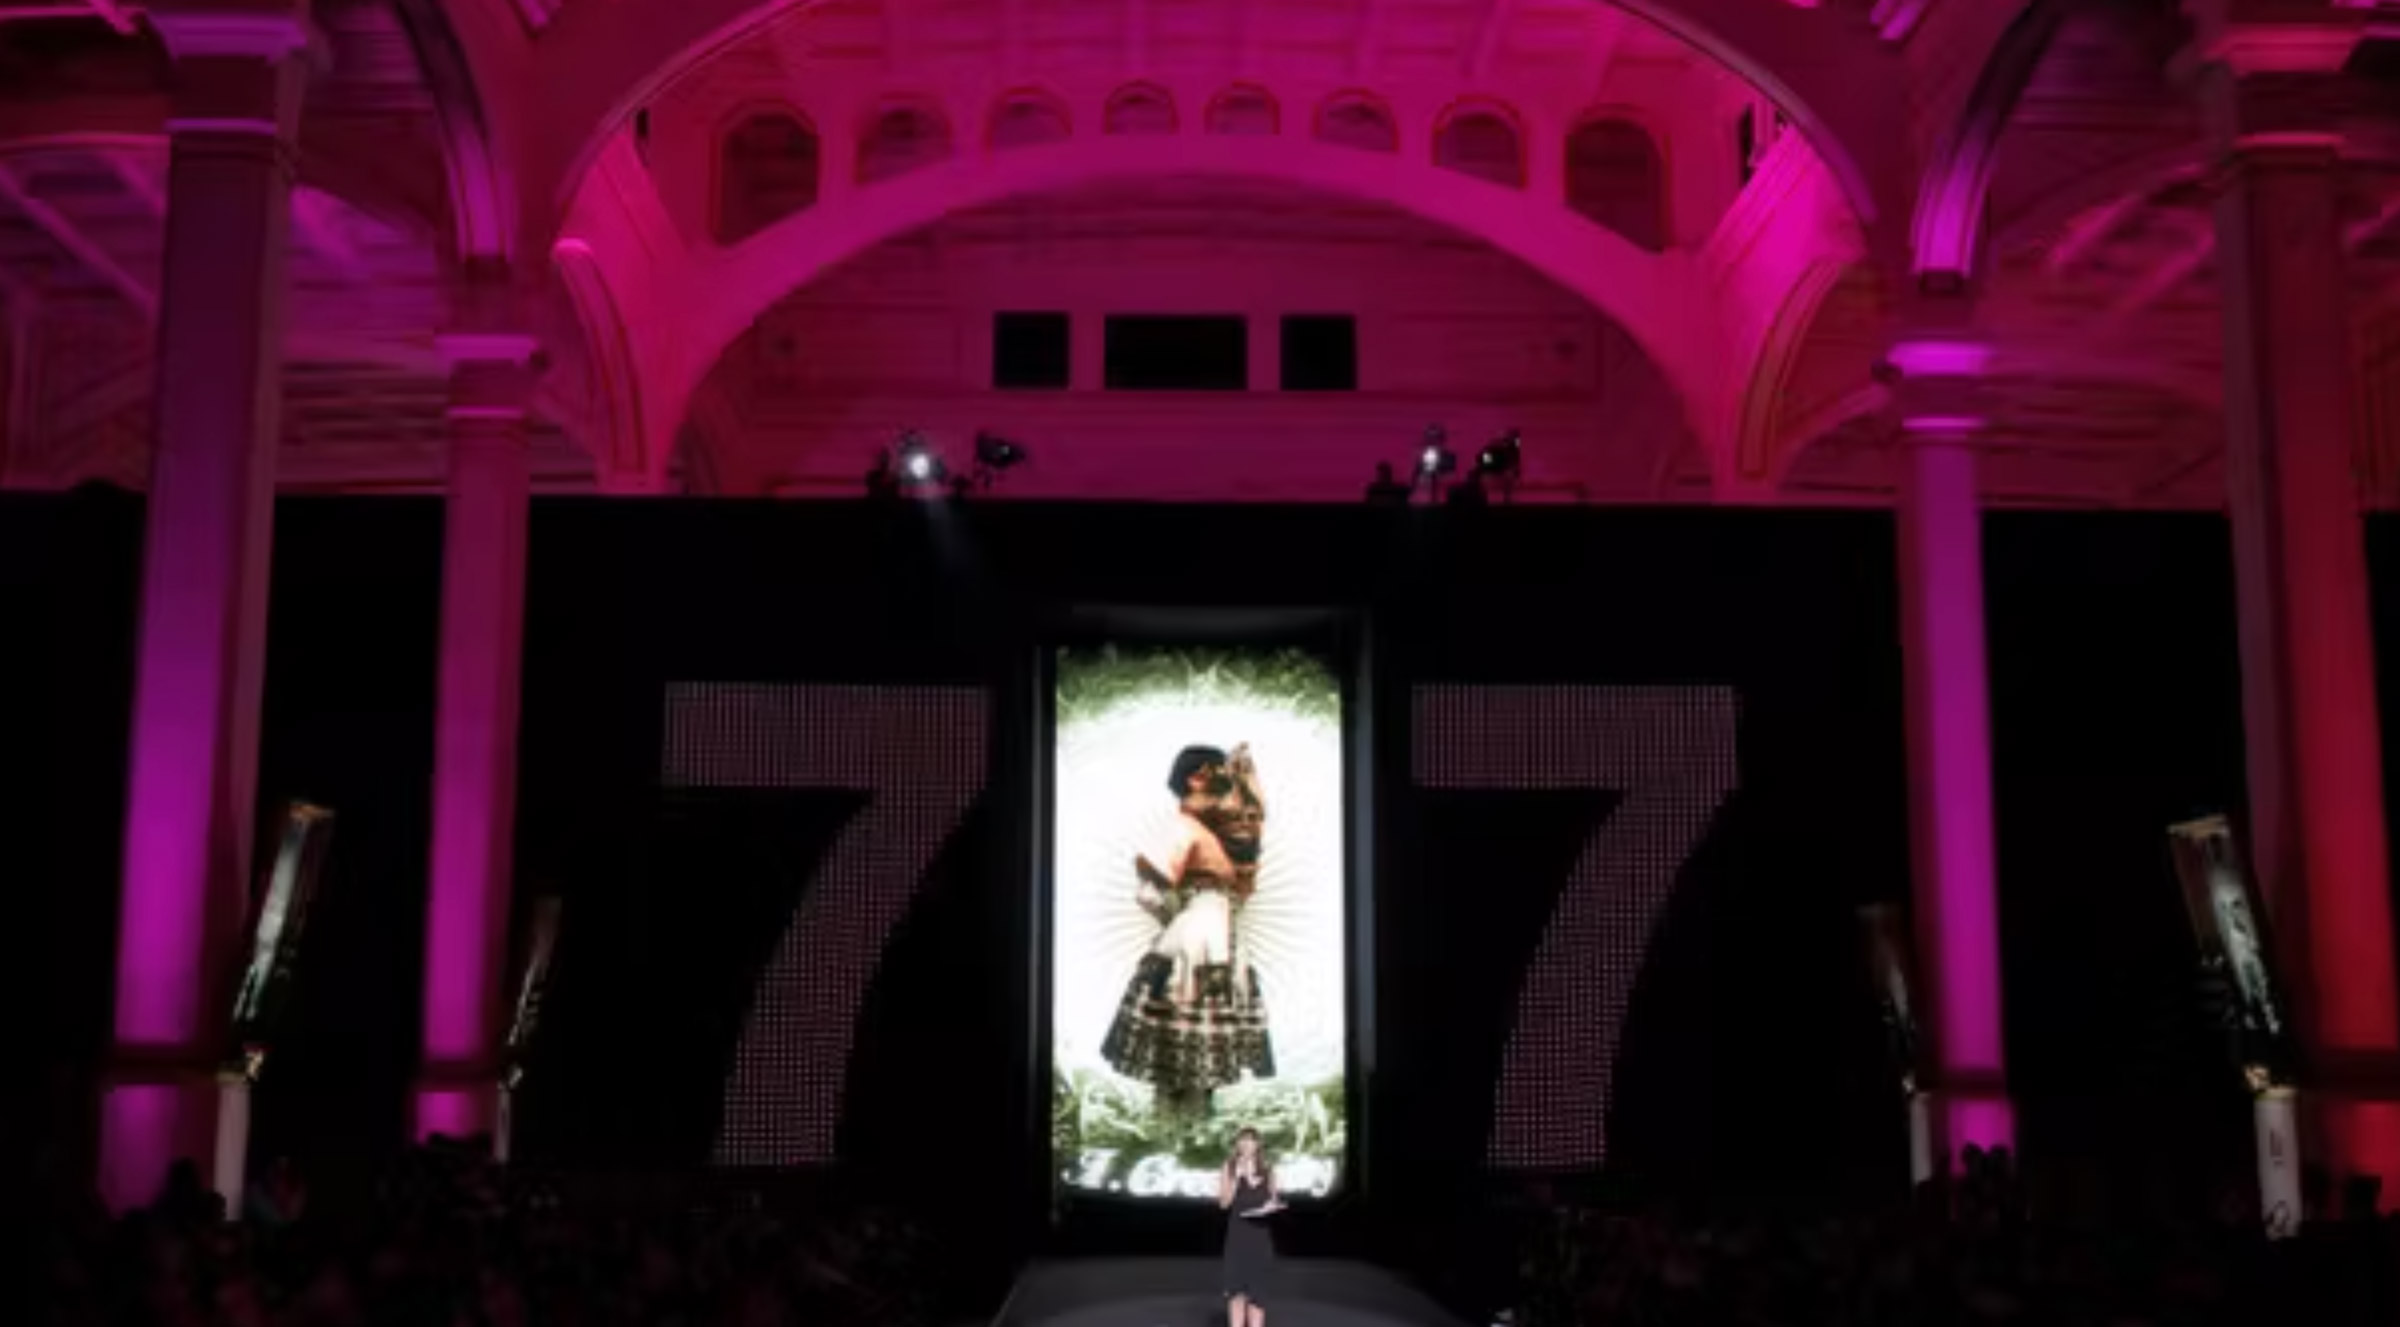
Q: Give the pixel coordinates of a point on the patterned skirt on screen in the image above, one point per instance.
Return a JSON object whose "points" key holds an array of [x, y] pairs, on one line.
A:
{"points": [[1192, 1032]]}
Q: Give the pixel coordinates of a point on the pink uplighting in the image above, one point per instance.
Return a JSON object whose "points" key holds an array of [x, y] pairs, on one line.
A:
{"points": [[144, 1127], [475, 739], [1950, 783], [1925, 260], [1982, 1122], [451, 1112]]}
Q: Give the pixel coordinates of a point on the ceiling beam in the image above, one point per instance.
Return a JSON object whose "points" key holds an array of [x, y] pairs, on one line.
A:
{"points": [[18, 298], [314, 221], [2363, 231], [1137, 37], [1367, 43], [1612, 27], [2199, 246], [899, 34], [64, 9], [1013, 39], [1250, 38], [115, 15], [136, 178], [1491, 37], [85, 249], [2088, 232], [2171, 272]]}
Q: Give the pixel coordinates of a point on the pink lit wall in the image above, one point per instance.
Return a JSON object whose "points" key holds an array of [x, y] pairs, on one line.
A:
{"points": [[1610, 166], [1449, 332]]}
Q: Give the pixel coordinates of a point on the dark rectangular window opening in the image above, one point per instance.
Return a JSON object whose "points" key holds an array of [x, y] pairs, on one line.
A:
{"points": [[1320, 352], [1157, 353], [1029, 351]]}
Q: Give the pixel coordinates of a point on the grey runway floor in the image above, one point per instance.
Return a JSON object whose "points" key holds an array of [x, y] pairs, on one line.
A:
{"points": [[1182, 1292]]}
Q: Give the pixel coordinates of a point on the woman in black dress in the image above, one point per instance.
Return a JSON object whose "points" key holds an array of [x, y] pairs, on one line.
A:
{"points": [[1246, 1190]]}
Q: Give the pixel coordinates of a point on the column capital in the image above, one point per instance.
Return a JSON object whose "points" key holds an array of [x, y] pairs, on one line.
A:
{"points": [[233, 34], [488, 297], [459, 349], [2254, 37], [1936, 376], [235, 72], [1938, 356], [2268, 74], [1939, 394], [1940, 430], [491, 376]]}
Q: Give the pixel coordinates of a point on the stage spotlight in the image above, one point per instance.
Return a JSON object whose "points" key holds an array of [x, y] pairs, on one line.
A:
{"points": [[1502, 457], [917, 461], [994, 452], [1435, 460], [995, 456]]}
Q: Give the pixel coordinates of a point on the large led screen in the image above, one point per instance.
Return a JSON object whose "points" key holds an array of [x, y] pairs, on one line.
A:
{"points": [[1198, 886]]}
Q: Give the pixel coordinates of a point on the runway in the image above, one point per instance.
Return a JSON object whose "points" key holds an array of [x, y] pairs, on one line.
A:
{"points": [[1182, 1292]]}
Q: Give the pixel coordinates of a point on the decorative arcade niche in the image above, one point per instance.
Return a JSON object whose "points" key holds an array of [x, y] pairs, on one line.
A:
{"points": [[1484, 143], [900, 140], [768, 168], [1616, 178]]}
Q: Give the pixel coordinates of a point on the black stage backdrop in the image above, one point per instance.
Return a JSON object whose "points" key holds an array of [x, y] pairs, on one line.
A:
{"points": [[1750, 1060], [1749, 1065], [70, 565]]}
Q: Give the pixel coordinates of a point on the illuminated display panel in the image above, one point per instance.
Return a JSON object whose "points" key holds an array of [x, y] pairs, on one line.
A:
{"points": [[1198, 882]]}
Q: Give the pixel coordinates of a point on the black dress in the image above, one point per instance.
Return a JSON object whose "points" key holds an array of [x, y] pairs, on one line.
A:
{"points": [[1249, 1245]]}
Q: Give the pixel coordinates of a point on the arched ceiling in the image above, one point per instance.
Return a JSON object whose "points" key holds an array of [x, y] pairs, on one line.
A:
{"points": [[82, 213], [1826, 65], [2097, 277], [1476, 342], [2096, 268]]}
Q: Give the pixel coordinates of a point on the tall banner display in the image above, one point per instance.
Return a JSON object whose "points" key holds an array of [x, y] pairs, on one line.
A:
{"points": [[1884, 936], [531, 987], [2229, 928], [261, 1000]]}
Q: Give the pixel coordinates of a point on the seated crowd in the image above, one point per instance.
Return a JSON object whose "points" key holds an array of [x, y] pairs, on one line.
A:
{"points": [[1965, 1252], [453, 1241]]}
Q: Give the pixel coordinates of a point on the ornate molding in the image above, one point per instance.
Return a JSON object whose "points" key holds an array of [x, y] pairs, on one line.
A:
{"points": [[463, 348], [190, 35]]}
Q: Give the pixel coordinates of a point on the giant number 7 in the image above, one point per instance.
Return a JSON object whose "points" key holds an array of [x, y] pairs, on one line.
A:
{"points": [[1669, 751], [918, 755]]}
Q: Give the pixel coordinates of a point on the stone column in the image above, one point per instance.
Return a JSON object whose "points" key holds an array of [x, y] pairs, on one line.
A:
{"points": [[2316, 817], [1955, 888], [191, 790], [475, 734]]}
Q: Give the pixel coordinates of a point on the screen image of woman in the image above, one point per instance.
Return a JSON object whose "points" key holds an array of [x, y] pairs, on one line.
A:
{"points": [[1198, 917], [1193, 1018]]}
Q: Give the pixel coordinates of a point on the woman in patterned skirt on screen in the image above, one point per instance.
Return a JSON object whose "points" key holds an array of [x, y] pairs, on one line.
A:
{"points": [[1193, 1018]]}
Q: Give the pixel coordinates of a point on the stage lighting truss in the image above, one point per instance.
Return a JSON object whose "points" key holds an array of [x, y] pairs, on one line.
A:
{"points": [[996, 456], [912, 464], [1435, 461], [916, 463], [1501, 460], [1435, 473]]}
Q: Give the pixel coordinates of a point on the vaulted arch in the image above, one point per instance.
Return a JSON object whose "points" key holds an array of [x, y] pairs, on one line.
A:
{"points": [[1947, 232], [483, 214], [1837, 82], [1655, 297]]}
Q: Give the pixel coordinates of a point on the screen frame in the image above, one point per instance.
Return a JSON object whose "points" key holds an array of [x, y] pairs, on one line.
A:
{"points": [[1342, 636]]}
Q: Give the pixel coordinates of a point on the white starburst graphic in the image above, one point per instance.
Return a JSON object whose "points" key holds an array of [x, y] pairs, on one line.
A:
{"points": [[1113, 803]]}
